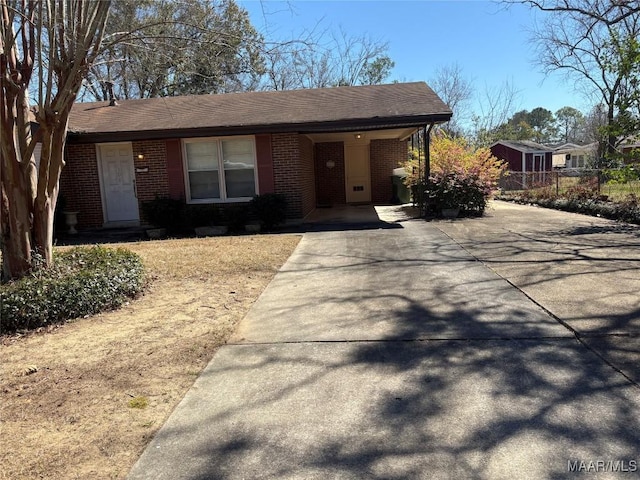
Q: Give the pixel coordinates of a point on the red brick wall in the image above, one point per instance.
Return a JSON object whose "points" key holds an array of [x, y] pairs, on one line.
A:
{"points": [[385, 155], [292, 171], [308, 182], [330, 182], [293, 175], [154, 181], [80, 185], [285, 149]]}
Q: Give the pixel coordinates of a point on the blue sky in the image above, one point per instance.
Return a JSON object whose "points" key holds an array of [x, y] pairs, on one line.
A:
{"points": [[490, 43]]}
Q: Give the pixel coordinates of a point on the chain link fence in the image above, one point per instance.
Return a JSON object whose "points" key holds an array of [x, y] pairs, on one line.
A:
{"points": [[609, 184]]}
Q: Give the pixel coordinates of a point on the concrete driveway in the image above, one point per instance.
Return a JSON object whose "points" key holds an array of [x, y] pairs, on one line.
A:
{"points": [[501, 347]]}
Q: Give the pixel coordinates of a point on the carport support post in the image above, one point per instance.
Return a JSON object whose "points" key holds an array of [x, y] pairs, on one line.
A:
{"points": [[426, 133], [427, 151]]}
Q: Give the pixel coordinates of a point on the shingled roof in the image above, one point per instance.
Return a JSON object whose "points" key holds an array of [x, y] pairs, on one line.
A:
{"points": [[311, 110], [525, 146]]}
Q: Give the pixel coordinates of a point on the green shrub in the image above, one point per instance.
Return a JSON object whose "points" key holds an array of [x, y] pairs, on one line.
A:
{"points": [[270, 209], [627, 210], [622, 175], [457, 190], [473, 195], [178, 217], [164, 212], [461, 176], [236, 216], [83, 281], [205, 215]]}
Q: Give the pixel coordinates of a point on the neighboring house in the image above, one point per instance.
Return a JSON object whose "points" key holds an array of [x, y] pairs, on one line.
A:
{"points": [[573, 156], [630, 149], [317, 146], [531, 159]]}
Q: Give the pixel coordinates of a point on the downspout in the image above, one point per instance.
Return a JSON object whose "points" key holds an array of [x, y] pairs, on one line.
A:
{"points": [[524, 170]]}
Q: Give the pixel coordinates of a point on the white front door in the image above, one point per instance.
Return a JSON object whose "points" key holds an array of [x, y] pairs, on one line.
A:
{"points": [[357, 173], [118, 183]]}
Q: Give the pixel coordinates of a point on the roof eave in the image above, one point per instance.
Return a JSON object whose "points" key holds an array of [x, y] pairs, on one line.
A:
{"points": [[377, 123], [517, 148]]}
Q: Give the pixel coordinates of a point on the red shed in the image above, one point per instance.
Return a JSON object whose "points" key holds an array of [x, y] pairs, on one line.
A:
{"points": [[523, 155], [531, 159]]}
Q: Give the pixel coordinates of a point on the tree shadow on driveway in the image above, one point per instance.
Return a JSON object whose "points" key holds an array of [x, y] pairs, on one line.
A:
{"points": [[584, 270], [401, 409], [414, 362]]}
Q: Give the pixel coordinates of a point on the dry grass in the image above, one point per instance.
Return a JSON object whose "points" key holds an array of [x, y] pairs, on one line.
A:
{"points": [[82, 400], [618, 192]]}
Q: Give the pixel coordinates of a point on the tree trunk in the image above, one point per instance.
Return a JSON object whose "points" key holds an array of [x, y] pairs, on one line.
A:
{"points": [[43, 216], [17, 183], [64, 36], [51, 163], [611, 138], [16, 234]]}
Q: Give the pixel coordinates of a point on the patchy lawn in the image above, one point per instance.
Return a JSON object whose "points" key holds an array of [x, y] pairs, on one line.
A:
{"points": [[82, 400]]}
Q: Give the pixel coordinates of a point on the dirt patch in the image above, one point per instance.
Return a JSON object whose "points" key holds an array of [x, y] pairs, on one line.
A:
{"points": [[83, 400]]}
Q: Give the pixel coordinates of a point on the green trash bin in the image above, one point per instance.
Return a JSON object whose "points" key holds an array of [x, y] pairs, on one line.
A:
{"points": [[401, 193]]}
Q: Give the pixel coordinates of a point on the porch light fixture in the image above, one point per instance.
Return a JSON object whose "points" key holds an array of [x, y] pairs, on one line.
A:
{"points": [[358, 136], [141, 157], [331, 164]]}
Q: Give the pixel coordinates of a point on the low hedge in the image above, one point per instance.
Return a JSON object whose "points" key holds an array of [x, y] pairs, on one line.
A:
{"points": [[627, 210], [270, 209], [83, 281]]}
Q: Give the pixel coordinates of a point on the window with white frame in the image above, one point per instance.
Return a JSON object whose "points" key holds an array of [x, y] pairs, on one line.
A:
{"points": [[577, 161], [220, 169]]}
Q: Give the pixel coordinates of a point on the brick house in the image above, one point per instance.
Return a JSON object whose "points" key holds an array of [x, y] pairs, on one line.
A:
{"points": [[317, 147]]}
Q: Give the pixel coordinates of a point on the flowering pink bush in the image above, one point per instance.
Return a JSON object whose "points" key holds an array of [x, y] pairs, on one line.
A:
{"points": [[455, 155], [461, 176]]}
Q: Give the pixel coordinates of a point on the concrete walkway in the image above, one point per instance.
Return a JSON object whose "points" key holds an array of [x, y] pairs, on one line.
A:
{"points": [[465, 349]]}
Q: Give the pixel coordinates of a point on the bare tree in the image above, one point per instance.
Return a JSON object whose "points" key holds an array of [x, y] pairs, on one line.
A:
{"points": [[56, 42], [595, 123], [608, 12], [451, 85], [280, 72], [355, 54], [496, 106], [591, 41], [319, 58]]}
